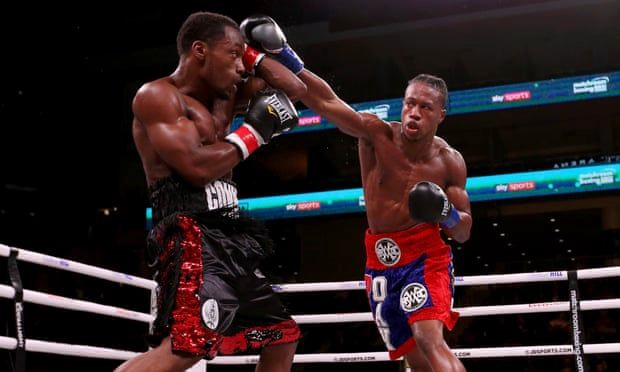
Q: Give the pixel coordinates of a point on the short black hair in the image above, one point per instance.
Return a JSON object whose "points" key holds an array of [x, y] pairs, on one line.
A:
{"points": [[205, 26], [434, 82]]}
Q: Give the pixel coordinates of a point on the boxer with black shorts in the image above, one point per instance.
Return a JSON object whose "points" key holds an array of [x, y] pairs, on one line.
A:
{"points": [[414, 185], [211, 297]]}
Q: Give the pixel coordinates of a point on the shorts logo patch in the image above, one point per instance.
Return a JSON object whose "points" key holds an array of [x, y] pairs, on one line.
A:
{"points": [[210, 313], [413, 297], [387, 251]]}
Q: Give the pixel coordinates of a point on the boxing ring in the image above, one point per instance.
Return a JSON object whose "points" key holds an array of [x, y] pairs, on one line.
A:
{"points": [[22, 345]]}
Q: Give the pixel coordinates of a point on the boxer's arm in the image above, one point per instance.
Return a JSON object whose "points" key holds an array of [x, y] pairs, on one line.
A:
{"points": [[176, 140], [455, 190], [323, 100], [279, 77], [264, 34], [268, 72]]}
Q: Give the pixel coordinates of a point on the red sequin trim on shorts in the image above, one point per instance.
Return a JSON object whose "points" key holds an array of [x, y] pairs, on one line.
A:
{"points": [[258, 337], [187, 332]]}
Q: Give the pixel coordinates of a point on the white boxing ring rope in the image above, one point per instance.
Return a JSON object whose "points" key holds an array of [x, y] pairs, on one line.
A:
{"points": [[41, 298]]}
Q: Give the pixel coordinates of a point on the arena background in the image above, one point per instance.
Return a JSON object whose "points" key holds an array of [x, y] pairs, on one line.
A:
{"points": [[72, 183]]}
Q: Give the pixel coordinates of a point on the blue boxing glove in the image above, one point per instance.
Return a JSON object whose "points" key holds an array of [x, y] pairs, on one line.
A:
{"points": [[263, 33], [429, 203]]}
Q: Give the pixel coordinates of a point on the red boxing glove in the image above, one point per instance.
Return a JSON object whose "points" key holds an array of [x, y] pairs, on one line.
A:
{"points": [[251, 59]]}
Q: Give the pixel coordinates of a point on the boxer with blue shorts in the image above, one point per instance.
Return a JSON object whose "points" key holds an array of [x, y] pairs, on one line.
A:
{"points": [[409, 277], [414, 184]]}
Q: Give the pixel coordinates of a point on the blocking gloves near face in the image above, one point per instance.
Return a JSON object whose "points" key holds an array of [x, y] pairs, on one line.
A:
{"points": [[270, 113]]}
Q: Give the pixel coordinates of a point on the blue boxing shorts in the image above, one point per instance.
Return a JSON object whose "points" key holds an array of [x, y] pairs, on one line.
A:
{"points": [[409, 277]]}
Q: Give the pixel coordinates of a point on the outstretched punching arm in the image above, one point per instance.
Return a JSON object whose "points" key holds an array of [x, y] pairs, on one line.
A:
{"points": [[323, 100], [263, 33]]}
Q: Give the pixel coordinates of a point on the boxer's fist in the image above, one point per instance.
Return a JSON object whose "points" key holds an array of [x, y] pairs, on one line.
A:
{"points": [[263, 33], [270, 113], [429, 203]]}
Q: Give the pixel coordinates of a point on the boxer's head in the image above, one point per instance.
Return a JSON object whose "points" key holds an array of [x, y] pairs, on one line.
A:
{"points": [[424, 106], [215, 43]]}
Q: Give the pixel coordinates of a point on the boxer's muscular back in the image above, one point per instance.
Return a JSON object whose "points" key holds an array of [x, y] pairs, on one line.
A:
{"points": [[212, 126], [388, 174]]}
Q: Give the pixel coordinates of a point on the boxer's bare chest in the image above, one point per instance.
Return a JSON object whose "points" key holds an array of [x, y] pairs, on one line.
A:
{"points": [[212, 124], [387, 172]]}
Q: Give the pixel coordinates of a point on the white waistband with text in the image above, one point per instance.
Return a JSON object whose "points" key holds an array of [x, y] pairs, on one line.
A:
{"points": [[221, 194]]}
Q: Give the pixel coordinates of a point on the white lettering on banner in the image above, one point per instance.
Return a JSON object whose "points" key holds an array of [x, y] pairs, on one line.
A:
{"points": [[221, 194], [380, 110], [497, 98], [603, 177], [574, 163], [596, 85]]}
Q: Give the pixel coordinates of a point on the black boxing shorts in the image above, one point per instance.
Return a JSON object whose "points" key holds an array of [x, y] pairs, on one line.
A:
{"points": [[211, 297]]}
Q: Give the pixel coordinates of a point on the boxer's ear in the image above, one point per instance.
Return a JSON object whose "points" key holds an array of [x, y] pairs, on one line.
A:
{"points": [[200, 49]]}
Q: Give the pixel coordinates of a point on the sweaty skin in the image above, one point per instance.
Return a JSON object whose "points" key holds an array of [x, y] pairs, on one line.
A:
{"points": [[180, 120], [395, 156]]}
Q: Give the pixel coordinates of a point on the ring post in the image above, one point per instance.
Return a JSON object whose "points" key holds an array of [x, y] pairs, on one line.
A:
{"points": [[575, 318], [16, 282]]}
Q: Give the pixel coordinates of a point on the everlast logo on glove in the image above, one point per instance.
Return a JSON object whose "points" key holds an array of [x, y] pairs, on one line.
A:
{"points": [[445, 211], [283, 112], [270, 113]]}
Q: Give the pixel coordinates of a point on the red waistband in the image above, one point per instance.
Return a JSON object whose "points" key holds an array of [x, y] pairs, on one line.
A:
{"points": [[399, 248]]}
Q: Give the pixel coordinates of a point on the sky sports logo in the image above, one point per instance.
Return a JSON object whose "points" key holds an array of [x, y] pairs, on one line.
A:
{"points": [[309, 120], [512, 97], [515, 186], [596, 85], [304, 206]]}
